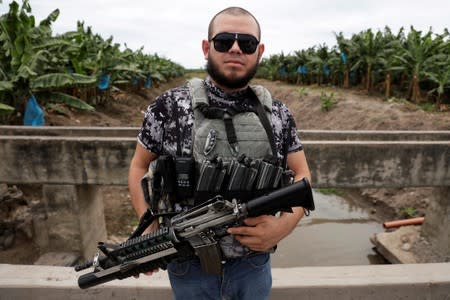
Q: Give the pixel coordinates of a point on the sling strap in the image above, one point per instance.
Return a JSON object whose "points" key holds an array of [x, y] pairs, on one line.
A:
{"points": [[261, 112]]}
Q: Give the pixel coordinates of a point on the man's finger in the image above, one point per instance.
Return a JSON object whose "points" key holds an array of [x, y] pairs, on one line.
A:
{"points": [[252, 221], [149, 273], [242, 230]]}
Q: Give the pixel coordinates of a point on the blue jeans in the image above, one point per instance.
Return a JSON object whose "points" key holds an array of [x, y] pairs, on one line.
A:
{"points": [[244, 278]]}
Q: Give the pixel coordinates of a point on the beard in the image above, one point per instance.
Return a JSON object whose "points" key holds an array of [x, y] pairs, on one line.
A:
{"points": [[230, 82]]}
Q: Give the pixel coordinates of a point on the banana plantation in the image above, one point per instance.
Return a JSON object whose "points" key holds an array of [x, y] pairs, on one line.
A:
{"points": [[413, 65], [73, 70]]}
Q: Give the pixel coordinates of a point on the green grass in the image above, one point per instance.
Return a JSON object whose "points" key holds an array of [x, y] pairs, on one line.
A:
{"points": [[303, 92], [327, 101], [408, 212], [428, 107]]}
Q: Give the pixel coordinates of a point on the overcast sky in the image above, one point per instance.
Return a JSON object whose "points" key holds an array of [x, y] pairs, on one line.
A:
{"points": [[174, 28]]}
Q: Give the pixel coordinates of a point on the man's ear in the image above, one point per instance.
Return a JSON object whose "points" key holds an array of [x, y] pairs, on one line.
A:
{"points": [[205, 48], [260, 51]]}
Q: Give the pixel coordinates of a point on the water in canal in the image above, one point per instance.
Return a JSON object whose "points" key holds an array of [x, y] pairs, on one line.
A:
{"points": [[337, 233]]}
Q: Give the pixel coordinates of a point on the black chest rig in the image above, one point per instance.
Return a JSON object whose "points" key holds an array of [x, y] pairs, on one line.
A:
{"points": [[234, 153]]}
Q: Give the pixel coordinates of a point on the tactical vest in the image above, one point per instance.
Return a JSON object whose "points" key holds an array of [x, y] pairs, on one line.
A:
{"points": [[242, 140], [233, 155], [252, 139]]}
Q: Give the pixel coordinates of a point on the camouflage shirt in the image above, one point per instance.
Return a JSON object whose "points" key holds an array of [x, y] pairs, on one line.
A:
{"points": [[169, 120]]}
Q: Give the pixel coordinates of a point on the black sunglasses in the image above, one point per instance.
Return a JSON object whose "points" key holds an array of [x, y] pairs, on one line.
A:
{"points": [[224, 41]]}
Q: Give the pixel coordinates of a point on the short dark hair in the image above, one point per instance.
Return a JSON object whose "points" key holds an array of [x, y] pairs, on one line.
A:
{"points": [[234, 11]]}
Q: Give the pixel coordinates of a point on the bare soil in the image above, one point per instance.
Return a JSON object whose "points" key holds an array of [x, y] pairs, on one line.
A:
{"points": [[351, 110]]}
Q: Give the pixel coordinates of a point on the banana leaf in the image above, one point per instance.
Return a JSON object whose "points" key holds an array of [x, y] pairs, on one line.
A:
{"points": [[58, 108], [6, 86], [61, 80], [121, 81], [4, 108], [131, 67], [71, 101], [158, 76]]}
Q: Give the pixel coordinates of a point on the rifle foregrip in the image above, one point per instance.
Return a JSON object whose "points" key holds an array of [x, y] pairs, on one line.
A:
{"points": [[83, 266], [294, 195], [90, 279]]}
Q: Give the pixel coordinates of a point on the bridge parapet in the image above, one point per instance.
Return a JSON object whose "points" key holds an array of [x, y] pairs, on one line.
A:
{"points": [[388, 282], [307, 135]]}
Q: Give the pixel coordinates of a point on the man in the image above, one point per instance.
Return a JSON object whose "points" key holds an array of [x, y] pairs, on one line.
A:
{"points": [[171, 127]]}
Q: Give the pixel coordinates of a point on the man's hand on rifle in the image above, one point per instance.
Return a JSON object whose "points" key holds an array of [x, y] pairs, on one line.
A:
{"points": [[153, 227], [149, 273], [264, 232]]}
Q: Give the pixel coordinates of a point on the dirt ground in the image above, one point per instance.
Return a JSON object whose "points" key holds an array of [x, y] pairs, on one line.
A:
{"points": [[352, 110]]}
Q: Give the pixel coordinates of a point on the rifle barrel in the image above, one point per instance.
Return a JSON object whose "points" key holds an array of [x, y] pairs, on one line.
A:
{"points": [[296, 194]]}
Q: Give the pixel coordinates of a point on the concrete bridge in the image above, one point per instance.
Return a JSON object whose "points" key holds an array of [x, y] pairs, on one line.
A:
{"points": [[71, 163]]}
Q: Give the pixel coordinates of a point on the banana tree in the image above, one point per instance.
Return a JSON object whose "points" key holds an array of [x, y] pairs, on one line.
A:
{"points": [[268, 67], [325, 64], [389, 64], [345, 47], [368, 47], [418, 53], [26, 64], [301, 59], [440, 76]]}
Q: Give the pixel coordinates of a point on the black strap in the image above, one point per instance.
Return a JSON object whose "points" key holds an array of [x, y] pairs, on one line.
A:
{"points": [[287, 144], [231, 134], [261, 112], [226, 114]]}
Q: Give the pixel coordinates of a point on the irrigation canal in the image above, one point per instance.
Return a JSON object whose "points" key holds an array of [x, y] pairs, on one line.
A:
{"points": [[337, 233]]}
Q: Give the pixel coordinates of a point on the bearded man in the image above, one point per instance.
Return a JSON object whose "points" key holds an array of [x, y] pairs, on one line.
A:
{"points": [[219, 117]]}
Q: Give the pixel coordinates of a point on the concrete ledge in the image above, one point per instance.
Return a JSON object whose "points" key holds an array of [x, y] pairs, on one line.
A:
{"points": [[412, 282], [69, 131], [390, 244], [374, 135], [306, 135], [105, 160], [360, 164], [65, 160]]}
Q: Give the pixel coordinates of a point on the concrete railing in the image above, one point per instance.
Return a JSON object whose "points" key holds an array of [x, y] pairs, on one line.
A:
{"points": [[412, 282], [307, 135], [71, 163]]}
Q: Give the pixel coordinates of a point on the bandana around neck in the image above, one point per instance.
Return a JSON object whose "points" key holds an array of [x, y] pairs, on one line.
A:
{"points": [[218, 97]]}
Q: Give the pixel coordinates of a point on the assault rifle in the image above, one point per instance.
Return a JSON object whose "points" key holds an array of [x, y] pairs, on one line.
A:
{"points": [[195, 232]]}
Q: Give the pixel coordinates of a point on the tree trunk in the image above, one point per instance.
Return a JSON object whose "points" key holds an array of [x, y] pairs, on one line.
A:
{"points": [[415, 90], [346, 78], [388, 86], [369, 79]]}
